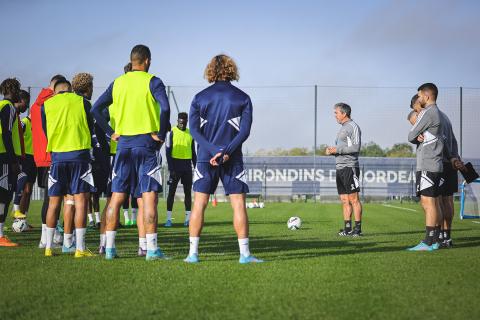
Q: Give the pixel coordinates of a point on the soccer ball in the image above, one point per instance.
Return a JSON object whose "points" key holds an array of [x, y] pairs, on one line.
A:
{"points": [[19, 225], [294, 223]]}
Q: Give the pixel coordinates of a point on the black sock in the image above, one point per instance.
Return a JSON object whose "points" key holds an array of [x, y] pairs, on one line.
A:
{"points": [[429, 234], [436, 234], [446, 234], [348, 225], [358, 225]]}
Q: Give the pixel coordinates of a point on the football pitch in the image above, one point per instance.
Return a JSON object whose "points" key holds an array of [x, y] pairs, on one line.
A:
{"points": [[310, 273]]}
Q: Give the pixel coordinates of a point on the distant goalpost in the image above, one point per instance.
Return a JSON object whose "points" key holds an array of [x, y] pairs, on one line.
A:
{"points": [[470, 200]]}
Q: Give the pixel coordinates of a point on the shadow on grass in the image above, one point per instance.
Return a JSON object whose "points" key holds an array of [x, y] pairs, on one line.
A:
{"points": [[283, 247]]}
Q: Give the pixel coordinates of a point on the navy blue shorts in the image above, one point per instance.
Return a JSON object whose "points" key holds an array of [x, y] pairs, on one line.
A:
{"points": [[137, 170], [29, 168], [70, 178], [233, 177]]}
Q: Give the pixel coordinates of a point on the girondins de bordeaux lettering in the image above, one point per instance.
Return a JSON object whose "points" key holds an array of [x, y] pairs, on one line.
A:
{"points": [[321, 175]]}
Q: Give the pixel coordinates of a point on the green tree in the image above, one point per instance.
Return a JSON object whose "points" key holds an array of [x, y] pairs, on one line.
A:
{"points": [[371, 149], [400, 150], [299, 152], [321, 150]]}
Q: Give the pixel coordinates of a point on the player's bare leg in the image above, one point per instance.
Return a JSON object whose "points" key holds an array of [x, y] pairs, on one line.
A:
{"points": [[240, 217], [354, 200], [103, 237], [68, 224], [81, 209], [347, 215], [142, 238], [196, 224], [240, 223], [111, 223], [53, 212]]}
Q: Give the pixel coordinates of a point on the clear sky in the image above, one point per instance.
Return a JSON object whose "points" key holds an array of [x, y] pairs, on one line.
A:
{"points": [[339, 43]]}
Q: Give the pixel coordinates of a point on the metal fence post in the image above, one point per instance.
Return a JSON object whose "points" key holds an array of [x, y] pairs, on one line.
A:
{"points": [[315, 144], [461, 121], [264, 182], [363, 183]]}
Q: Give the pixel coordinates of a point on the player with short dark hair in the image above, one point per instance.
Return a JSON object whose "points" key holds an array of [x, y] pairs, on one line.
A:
{"points": [[9, 150], [426, 133], [220, 132], [68, 126], [451, 163], [28, 174], [139, 107], [346, 151], [181, 157]]}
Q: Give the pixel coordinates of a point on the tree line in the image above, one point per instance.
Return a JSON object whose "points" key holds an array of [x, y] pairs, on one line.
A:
{"points": [[370, 149]]}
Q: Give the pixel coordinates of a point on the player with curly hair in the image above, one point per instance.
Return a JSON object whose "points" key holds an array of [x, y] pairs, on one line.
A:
{"points": [[10, 148], [220, 122]]}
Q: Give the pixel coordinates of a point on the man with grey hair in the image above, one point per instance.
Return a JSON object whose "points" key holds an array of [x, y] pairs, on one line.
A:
{"points": [[346, 151]]}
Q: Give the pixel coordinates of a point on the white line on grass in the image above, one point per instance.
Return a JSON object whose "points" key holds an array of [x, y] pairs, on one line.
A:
{"points": [[401, 208], [476, 222]]}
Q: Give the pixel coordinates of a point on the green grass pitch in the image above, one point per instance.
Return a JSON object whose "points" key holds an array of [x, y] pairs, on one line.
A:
{"points": [[309, 274]]}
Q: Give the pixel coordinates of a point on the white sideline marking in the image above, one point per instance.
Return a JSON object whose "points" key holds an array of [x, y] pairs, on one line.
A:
{"points": [[401, 208], [476, 222]]}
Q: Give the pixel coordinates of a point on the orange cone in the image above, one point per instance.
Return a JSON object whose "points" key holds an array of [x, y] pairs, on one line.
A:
{"points": [[214, 201]]}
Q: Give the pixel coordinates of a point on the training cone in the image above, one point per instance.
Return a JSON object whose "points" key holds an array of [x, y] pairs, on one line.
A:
{"points": [[214, 201]]}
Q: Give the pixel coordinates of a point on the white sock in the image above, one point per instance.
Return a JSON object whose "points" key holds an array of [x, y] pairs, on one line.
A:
{"points": [[1, 228], [187, 215], [110, 243], [134, 214], [97, 217], [16, 207], [169, 215], [142, 243], [125, 215], [80, 238], [90, 217], [49, 237], [152, 242], [43, 238], [67, 240], [194, 245], [57, 236], [244, 249], [103, 240]]}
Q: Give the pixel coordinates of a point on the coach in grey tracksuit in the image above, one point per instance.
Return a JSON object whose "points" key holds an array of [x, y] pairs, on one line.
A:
{"points": [[346, 151]]}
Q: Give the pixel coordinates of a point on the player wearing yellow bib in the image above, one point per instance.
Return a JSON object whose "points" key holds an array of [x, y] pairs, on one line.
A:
{"points": [[28, 174], [181, 157], [9, 149], [68, 126], [139, 107]]}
